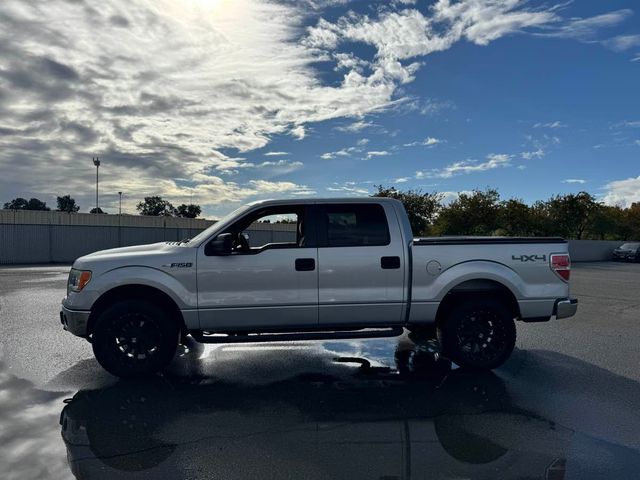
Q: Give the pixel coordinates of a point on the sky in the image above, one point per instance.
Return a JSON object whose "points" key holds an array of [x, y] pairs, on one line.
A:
{"points": [[223, 102]]}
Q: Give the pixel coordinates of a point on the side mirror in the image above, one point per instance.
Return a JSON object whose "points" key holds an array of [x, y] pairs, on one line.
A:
{"points": [[219, 246]]}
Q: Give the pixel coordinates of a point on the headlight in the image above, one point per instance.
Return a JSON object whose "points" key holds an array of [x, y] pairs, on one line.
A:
{"points": [[78, 279]]}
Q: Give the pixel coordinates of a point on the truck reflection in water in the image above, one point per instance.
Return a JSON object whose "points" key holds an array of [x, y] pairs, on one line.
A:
{"points": [[418, 420]]}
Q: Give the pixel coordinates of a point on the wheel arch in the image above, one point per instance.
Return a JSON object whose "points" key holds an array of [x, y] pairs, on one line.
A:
{"points": [[475, 288], [137, 292]]}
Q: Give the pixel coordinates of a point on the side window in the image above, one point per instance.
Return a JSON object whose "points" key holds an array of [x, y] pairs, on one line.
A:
{"points": [[273, 228], [357, 225]]}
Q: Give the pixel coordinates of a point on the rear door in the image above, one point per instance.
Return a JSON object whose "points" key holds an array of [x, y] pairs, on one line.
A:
{"points": [[361, 264]]}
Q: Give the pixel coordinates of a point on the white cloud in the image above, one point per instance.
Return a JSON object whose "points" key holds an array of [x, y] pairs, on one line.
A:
{"points": [[362, 142], [428, 106], [427, 142], [281, 167], [345, 152], [401, 35], [222, 162], [299, 132], [494, 161], [377, 153], [636, 58], [349, 188], [449, 196], [355, 126], [402, 180], [275, 154], [586, 29], [281, 187], [627, 123], [623, 42], [575, 180], [622, 192], [556, 124], [539, 153], [232, 165], [348, 61]]}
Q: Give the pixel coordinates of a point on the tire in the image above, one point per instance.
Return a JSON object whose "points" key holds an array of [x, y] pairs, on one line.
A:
{"points": [[479, 334], [134, 338]]}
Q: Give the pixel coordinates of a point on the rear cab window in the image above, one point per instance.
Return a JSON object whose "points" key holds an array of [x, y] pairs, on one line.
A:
{"points": [[352, 225]]}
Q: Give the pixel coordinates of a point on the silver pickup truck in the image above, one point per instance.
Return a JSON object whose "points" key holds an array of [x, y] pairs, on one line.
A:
{"points": [[336, 268]]}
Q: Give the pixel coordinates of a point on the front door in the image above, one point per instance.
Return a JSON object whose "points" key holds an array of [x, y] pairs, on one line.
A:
{"points": [[269, 280], [361, 265]]}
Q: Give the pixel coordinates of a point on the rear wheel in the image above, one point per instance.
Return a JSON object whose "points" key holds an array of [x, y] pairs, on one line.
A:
{"points": [[134, 338], [479, 334]]}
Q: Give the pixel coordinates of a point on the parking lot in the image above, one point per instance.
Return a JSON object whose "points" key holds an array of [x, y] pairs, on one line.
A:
{"points": [[566, 405]]}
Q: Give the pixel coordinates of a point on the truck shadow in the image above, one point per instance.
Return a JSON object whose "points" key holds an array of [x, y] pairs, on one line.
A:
{"points": [[332, 417]]}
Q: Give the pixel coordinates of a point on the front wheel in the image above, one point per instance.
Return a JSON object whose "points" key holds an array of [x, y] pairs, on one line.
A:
{"points": [[479, 334], [134, 338]]}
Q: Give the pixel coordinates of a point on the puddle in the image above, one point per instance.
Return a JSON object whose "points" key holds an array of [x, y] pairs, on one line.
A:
{"points": [[371, 409]]}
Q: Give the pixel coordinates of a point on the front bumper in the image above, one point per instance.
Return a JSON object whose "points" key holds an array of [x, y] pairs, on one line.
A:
{"points": [[74, 321], [566, 307]]}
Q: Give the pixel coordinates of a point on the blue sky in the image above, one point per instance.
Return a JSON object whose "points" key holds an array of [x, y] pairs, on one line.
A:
{"points": [[226, 102]]}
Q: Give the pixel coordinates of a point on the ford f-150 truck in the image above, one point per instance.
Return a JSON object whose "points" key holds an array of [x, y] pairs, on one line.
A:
{"points": [[342, 268]]}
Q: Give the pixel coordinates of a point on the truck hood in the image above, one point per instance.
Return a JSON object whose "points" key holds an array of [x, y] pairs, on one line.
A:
{"points": [[153, 254]]}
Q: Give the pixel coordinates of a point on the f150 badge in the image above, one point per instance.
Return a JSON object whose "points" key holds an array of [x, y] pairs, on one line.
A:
{"points": [[530, 258], [178, 265]]}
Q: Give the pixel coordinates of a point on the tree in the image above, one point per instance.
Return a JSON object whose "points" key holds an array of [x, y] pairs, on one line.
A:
{"points": [[422, 208], [541, 224], [633, 221], [156, 206], [24, 204], [572, 214], [188, 211], [67, 204], [515, 218], [475, 213], [97, 210], [609, 222], [17, 204]]}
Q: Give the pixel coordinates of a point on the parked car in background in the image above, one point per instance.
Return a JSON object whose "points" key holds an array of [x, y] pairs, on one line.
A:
{"points": [[628, 251]]}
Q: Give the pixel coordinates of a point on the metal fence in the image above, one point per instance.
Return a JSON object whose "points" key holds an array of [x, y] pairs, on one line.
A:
{"points": [[592, 250], [64, 243], [56, 237]]}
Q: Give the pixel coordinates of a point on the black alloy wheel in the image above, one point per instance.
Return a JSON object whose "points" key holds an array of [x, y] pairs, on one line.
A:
{"points": [[479, 334], [134, 338]]}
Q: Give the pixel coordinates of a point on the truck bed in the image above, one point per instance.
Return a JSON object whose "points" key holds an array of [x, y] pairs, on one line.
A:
{"points": [[444, 264], [467, 240]]}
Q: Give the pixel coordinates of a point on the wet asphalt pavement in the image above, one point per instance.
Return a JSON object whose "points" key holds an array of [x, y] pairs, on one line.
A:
{"points": [[566, 405]]}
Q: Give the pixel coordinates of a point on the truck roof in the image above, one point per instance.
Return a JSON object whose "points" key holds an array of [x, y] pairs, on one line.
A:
{"points": [[289, 201]]}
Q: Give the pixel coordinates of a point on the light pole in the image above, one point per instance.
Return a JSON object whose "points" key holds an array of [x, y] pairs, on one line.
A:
{"points": [[96, 162], [120, 220]]}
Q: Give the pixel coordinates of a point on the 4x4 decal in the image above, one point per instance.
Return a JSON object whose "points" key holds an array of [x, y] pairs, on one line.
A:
{"points": [[530, 258]]}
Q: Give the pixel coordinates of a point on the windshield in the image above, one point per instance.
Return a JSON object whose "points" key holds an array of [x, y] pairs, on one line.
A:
{"points": [[198, 239], [630, 246]]}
